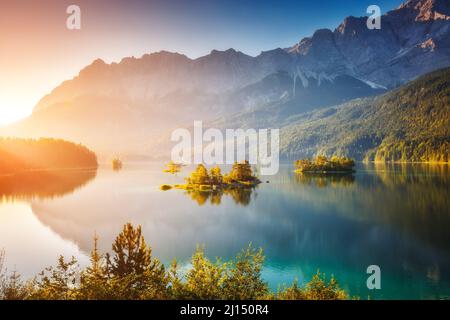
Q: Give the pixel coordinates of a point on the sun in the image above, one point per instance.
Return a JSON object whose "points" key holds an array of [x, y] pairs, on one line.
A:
{"points": [[10, 116], [12, 111]]}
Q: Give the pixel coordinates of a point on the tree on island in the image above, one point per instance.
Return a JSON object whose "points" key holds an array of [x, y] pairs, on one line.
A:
{"points": [[216, 176], [200, 176], [242, 171], [117, 164]]}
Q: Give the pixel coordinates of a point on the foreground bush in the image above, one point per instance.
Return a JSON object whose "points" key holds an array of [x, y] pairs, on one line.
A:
{"points": [[132, 273]]}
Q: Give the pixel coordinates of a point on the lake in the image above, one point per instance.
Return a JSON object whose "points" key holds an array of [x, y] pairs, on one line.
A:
{"points": [[393, 216]]}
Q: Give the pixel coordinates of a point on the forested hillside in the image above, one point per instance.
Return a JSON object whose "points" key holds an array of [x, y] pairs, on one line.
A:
{"points": [[411, 123], [18, 155]]}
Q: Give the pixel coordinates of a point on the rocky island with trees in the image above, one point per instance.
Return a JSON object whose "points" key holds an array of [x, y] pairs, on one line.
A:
{"points": [[322, 164], [240, 176]]}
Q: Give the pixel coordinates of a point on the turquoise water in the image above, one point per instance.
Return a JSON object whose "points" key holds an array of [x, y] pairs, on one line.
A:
{"points": [[393, 216]]}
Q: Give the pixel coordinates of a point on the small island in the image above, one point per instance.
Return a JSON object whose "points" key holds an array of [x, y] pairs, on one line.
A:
{"points": [[117, 164], [324, 165], [173, 167], [240, 176]]}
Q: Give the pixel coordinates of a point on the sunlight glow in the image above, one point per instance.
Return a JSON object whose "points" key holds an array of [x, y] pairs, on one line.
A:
{"points": [[11, 110]]}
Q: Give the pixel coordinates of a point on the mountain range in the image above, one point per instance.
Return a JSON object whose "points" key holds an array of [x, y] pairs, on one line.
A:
{"points": [[128, 108]]}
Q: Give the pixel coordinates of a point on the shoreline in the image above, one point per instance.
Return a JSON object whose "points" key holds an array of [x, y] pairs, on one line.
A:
{"points": [[406, 162]]}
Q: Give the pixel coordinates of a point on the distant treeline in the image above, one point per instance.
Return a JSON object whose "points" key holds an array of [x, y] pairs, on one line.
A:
{"points": [[131, 272], [17, 155]]}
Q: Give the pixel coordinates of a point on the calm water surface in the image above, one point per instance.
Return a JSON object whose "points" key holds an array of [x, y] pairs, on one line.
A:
{"points": [[394, 216]]}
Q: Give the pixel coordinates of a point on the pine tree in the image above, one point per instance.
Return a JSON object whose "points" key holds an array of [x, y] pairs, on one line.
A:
{"points": [[134, 273], [94, 279], [12, 287], [205, 279], [244, 279], [131, 253]]}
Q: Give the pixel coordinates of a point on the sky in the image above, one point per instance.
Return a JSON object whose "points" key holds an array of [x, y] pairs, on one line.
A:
{"points": [[38, 52]]}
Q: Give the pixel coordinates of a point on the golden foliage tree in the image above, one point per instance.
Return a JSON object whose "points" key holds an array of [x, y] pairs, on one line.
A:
{"points": [[200, 176]]}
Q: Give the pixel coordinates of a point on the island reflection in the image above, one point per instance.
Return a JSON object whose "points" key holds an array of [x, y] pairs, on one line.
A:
{"points": [[324, 180], [46, 184], [240, 196]]}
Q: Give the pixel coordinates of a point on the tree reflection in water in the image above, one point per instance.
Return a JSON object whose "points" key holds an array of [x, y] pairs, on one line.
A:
{"points": [[241, 195], [46, 184], [325, 180]]}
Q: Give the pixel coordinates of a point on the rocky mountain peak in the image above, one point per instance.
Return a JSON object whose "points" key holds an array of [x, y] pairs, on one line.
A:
{"points": [[414, 39], [323, 35], [351, 25], [426, 10], [97, 66]]}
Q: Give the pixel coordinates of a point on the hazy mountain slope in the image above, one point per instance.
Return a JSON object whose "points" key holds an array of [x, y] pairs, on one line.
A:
{"points": [[110, 126], [411, 123], [290, 99]]}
